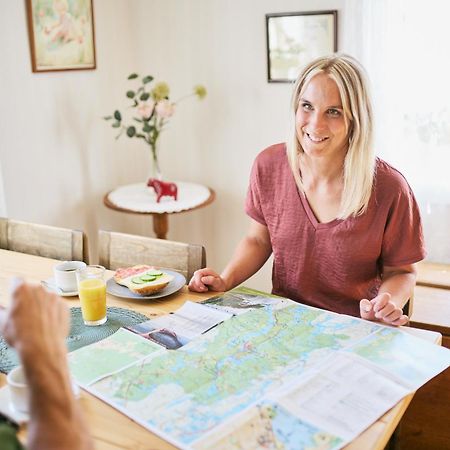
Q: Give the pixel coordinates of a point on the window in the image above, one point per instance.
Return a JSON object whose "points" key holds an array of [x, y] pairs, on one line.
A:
{"points": [[405, 48]]}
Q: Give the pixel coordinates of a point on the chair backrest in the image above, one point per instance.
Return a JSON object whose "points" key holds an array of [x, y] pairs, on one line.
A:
{"points": [[43, 240], [122, 250]]}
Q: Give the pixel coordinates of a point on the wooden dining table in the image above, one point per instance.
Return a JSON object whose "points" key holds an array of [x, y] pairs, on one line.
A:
{"points": [[112, 430]]}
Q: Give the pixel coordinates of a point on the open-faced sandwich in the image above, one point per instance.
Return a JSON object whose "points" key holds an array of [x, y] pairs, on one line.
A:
{"points": [[142, 279]]}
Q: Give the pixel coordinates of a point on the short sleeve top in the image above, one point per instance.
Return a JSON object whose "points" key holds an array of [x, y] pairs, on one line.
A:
{"points": [[333, 265]]}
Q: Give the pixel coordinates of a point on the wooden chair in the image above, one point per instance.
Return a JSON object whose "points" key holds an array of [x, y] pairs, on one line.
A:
{"points": [[43, 240], [408, 306], [122, 250]]}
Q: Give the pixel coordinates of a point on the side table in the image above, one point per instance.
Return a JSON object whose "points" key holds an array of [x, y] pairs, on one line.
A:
{"points": [[140, 199]]}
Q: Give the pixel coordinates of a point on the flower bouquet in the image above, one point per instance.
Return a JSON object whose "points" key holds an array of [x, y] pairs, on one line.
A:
{"points": [[153, 111]]}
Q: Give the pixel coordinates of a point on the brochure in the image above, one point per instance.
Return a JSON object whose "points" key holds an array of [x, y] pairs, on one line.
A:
{"points": [[174, 330]]}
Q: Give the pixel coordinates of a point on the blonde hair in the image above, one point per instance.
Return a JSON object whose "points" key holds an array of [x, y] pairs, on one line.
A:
{"points": [[359, 163]]}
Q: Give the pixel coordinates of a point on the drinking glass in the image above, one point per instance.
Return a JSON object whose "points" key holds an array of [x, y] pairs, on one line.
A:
{"points": [[92, 293]]}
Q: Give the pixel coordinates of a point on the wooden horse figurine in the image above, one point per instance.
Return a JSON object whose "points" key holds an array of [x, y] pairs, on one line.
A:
{"points": [[162, 188]]}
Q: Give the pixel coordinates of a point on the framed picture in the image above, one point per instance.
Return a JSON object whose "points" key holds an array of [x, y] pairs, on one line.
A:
{"points": [[294, 39], [61, 34]]}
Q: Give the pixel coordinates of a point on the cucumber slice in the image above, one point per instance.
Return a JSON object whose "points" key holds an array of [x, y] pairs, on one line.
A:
{"points": [[155, 273], [137, 280], [146, 278]]}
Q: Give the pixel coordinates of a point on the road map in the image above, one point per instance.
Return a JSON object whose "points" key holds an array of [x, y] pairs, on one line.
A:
{"points": [[275, 378], [119, 350]]}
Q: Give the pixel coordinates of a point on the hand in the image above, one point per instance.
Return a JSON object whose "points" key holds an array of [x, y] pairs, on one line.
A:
{"points": [[206, 279], [382, 308], [36, 322]]}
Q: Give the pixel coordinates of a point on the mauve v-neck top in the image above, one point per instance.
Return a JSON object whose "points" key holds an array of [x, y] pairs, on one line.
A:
{"points": [[332, 265]]}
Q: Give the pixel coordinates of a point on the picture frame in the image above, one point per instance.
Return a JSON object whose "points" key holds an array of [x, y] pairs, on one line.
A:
{"points": [[61, 35], [294, 39]]}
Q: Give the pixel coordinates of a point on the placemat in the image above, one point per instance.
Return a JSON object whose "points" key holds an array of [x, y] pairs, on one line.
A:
{"points": [[80, 334]]}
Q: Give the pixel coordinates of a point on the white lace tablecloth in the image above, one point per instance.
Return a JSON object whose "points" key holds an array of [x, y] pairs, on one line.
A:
{"points": [[141, 198]]}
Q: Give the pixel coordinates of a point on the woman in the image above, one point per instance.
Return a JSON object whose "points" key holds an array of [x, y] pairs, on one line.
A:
{"points": [[343, 225]]}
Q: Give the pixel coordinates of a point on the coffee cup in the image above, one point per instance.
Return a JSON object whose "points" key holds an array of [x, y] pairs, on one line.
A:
{"points": [[65, 275], [18, 389]]}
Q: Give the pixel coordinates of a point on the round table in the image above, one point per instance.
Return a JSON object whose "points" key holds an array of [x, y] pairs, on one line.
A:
{"points": [[140, 199]]}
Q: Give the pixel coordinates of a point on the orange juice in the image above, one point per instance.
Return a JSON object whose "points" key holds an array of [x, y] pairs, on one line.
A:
{"points": [[92, 293]]}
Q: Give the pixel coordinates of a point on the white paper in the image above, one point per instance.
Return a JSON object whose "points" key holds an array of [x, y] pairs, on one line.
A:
{"points": [[191, 320], [344, 397]]}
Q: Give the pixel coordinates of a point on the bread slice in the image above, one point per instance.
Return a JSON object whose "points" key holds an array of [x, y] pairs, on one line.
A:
{"points": [[135, 279]]}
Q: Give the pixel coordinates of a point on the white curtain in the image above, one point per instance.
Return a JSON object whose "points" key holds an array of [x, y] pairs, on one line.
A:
{"points": [[405, 47]]}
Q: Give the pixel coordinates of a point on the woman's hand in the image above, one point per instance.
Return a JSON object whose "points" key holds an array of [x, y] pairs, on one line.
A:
{"points": [[207, 280], [383, 309]]}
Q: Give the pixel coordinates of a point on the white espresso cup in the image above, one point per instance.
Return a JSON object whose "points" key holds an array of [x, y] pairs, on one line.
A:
{"points": [[65, 275], [18, 390]]}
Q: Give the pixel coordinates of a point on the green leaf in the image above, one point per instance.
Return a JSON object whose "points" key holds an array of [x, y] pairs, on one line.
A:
{"points": [[144, 96], [116, 125], [107, 117], [135, 102], [130, 94], [133, 76], [137, 120], [117, 115], [147, 79], [146, 128], [131, 131], [138, 135]]}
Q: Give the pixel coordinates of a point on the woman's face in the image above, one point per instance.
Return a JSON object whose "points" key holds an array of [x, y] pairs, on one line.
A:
{"points": [[320, 124]]}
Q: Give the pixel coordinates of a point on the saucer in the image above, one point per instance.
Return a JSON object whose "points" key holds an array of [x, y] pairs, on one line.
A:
{"points": [[51, 282], [8, 410]]}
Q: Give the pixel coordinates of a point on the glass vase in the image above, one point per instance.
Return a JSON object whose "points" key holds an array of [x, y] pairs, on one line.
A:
{"points": [[155, 170]]}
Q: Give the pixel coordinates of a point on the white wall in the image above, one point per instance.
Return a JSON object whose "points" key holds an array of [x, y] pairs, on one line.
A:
{"points": [[58, 157], [221, 44]]}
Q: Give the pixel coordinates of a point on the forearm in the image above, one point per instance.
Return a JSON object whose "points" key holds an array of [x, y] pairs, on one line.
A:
{"points": [[249, 256], [400, 285], [56, 421]]}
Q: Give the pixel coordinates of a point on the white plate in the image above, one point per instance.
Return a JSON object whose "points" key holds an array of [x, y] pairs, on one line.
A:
{"points": [[121, 291], [51, 282]]}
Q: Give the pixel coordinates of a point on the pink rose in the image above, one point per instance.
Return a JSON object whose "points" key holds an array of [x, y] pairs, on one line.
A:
{"points": [[165, 109], [145, 109]]}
